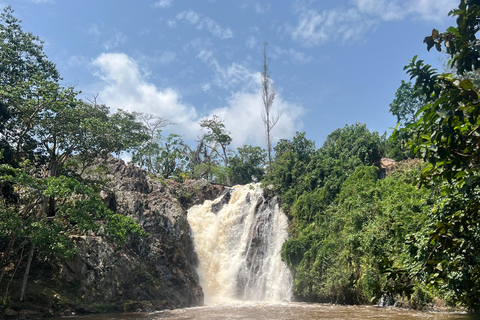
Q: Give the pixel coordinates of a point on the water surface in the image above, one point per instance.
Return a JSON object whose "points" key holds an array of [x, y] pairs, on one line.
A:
{"points": [[282, 311]]}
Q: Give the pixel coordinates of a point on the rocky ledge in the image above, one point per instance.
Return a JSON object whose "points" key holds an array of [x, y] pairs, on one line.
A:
{"points": [[152, 273]]}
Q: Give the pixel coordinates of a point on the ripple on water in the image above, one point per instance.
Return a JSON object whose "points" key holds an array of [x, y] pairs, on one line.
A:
{"points": [[300, 311]]}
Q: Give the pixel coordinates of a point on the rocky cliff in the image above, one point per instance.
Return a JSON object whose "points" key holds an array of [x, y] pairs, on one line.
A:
{"points": [[151, 273]]}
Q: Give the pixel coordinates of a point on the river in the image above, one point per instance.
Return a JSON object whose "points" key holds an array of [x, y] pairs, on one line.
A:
{"points": [[281, 311]]}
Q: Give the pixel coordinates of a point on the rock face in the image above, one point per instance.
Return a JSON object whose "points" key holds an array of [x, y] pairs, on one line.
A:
{"points": [[152, 273], [387, 165]]}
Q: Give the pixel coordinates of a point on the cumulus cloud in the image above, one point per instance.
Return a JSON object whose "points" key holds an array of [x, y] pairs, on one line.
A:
{"points": [[201, 22], [124, 87], [350, 23], [242, 117], [242, 111]]}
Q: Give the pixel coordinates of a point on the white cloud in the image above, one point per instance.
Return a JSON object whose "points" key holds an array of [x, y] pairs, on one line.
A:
{"points": [[295, 56], [42, 1], [163, 4], [261, 9], [433, 10], [242, 117], [124, 87], [352, 22], [251, 42], [166, 57], [76, 61], [116, 39], [315, 28], [242, 112], [383, 9], [201, 22], [94, 30], [230, 78]]}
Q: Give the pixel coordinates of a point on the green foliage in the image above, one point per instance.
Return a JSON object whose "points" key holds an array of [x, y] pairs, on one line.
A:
{"points": [[338, 247], [125, 132], [288, 171], [25, 74], [460, 42], [355, 141], [217, 136], [299, 168], [247, 165], [408, 100], [49, 137], [447, 247], [348, 227], [165, 157], [446, 135]]}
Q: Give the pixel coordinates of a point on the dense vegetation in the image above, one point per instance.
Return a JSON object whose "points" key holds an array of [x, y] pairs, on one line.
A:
{"points": [[415, 234], [358, 233], [347, 223]]}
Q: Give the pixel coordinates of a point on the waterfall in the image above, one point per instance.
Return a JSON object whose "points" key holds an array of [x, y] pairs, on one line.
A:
{"points": [[238, 238]]}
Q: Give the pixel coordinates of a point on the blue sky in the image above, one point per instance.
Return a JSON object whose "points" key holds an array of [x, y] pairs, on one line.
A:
{"points": [[333, 62]]}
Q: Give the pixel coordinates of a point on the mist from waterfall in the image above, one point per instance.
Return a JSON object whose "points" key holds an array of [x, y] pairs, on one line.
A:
{"points": [[238, 238]]}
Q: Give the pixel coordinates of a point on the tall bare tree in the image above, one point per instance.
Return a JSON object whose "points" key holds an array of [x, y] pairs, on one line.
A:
{"points": [[268, 95]]}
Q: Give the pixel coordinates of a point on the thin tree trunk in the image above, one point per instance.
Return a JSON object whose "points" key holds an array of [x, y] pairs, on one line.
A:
{"points": [[225, 163], [27, 271], [14, 272], [268, 95], [6, 256]]}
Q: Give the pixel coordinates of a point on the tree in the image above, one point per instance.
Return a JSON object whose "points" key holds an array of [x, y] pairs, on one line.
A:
{"points": [[408, 100], [172, 159], [268, 95], [447, 136], [25, 73], [126, 132], [247, 165], [217, 136], [147, 155], [45, 129], [288, 172]]}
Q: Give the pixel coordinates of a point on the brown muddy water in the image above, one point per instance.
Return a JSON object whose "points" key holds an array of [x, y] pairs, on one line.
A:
{"points": [[281, 311]]}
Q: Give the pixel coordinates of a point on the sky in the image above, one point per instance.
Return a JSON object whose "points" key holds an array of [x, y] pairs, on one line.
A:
{"points": [[333, 63]]}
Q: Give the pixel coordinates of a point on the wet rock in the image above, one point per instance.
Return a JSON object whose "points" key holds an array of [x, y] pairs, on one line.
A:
{"points": [[217, 206]]}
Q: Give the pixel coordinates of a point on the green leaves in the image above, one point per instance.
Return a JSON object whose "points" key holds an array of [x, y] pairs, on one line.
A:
{"points": [[247, 165], [48, 139], [446, 135]]}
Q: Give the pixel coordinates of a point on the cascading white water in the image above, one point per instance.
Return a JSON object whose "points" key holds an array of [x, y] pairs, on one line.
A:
{"points": [[238, 238]]}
